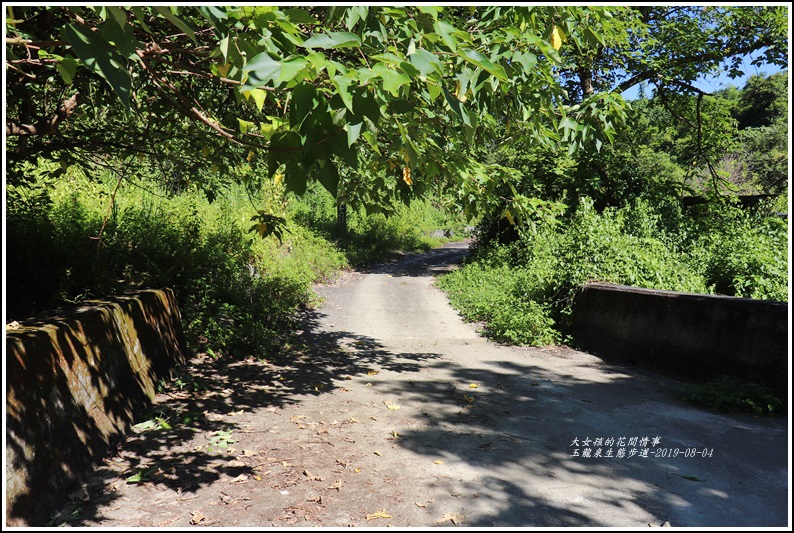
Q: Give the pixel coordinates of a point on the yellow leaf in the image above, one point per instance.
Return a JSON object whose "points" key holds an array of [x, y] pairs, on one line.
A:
{"points": [[356, 470], [438, 462], [223, 70], [259, 96], [250, 155], [407, 176], [379, 514], [556, 40], [393, 407], [509, 218], [392, 164], [372, 372], [455, 518], [278, 178], [473, 386]]}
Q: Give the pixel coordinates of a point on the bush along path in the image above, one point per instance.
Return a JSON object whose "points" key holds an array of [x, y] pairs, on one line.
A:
{"points": [[390, 411]]}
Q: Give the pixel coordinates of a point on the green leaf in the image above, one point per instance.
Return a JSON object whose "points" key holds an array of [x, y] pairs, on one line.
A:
{"points": [[122, 37], [353, 132], [333, 39], [142, 475], [304, 100], [300, 16], [342, 84], [354, 14], [259, 96], [176, 21], [445, 29], [476, 58], [457, 107], [426, 62], [99, 57], [289, 69], [118, 15], [245, 125], [392, 79], [67, 69], [328, 176], [261, 70]]}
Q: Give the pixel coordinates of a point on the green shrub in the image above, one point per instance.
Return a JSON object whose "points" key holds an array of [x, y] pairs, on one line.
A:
{"points": [[742, 253], [523, 290], [732, 395], [238, 292]]}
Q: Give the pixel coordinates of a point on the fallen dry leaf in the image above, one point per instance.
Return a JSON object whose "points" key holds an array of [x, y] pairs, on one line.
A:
{"points": [[473, 385], [311, 476], [242, 478], [13, 325], [337, 485], [438, 462], [234, 463], [376, 452], [372, 372], [455, 518], [197, 518], [422, 505], [378, 514]]}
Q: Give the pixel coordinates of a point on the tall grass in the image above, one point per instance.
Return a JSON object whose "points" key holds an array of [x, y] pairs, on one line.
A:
{"points": [[239, 293]]}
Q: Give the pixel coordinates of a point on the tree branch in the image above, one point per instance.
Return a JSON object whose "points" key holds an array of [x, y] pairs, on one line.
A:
{"points": [[46, 126]]}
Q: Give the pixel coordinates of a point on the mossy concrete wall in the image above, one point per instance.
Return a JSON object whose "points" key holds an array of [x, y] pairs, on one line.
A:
{"points": [[685, 335], [74, 385]]}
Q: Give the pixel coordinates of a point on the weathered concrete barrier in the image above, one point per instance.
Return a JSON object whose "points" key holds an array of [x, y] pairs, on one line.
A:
{"points": [[74, 385], [685, 335]]}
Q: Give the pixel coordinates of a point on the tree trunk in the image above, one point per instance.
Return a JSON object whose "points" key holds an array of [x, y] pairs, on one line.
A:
{"points": [[341, 218]]}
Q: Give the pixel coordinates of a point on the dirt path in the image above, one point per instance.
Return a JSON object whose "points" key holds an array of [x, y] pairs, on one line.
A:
{"points": [[392, 412]]}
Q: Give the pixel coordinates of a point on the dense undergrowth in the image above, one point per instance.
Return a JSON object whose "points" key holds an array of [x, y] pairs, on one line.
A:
{"points": [[522, 290], [239, 292]]}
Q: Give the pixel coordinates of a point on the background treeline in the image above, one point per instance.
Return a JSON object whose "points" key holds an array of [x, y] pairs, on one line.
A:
{"points": [[620, 216]]}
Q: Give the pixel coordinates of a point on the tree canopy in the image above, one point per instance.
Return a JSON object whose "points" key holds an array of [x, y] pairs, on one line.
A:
{"points": [[371, 101]]}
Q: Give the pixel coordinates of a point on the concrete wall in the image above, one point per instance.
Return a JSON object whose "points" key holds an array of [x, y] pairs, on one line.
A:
{"points": [[74, 385], [685, 335]]}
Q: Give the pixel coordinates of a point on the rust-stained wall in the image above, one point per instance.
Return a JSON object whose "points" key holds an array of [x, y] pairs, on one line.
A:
{"points": [[685, 335], [73, 387]]}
